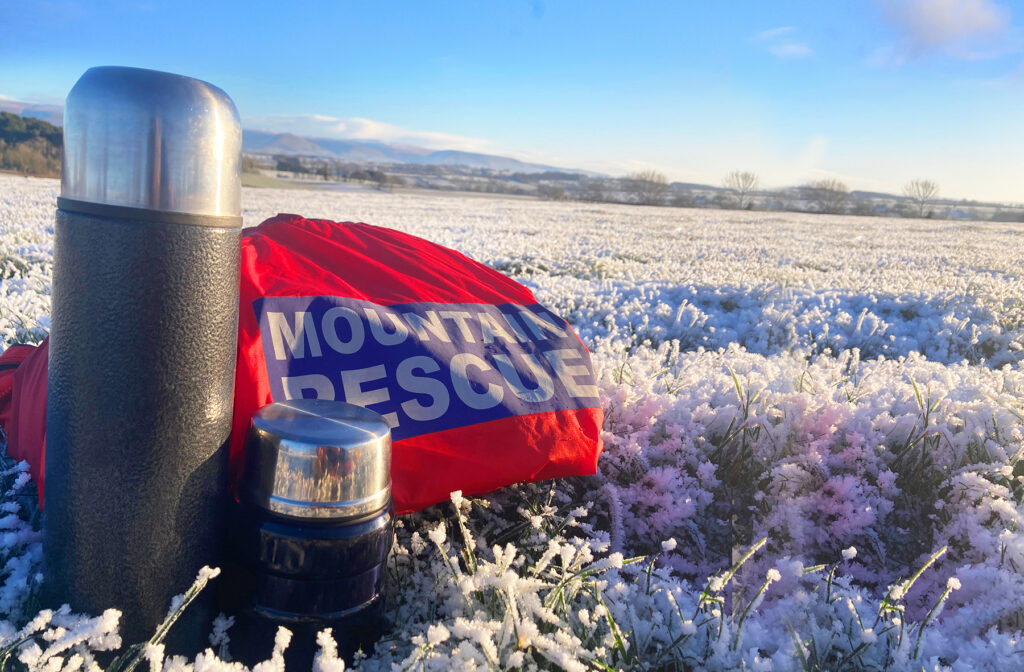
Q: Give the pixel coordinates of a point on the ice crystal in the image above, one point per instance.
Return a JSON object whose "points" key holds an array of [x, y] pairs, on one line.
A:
{"points": [[854, 402]]}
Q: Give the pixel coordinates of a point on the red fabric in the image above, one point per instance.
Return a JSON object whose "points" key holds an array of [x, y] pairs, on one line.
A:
{"points": [[26, 431], [481, 458], [10, 360], [288, 256]]}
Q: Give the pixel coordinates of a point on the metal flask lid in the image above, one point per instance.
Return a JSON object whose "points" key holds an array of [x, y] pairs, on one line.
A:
{"points": [[151, 141], [315, 459]]}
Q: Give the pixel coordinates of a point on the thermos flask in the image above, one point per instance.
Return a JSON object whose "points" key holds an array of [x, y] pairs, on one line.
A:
{"points": [[311, 534], [142, 345]]}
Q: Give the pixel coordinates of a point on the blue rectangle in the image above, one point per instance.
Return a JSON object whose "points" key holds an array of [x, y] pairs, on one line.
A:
{"points": [[426, 367]]}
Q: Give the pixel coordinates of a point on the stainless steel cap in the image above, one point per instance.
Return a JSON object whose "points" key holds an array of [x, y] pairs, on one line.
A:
{"points": [[309, 458], [152, 140]]}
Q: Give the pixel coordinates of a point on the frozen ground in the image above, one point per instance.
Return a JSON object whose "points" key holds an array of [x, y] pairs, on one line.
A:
{"points": [[848, 389]]}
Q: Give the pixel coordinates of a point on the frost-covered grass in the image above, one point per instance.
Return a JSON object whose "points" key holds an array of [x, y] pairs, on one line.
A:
{"points": [[813, 442]]}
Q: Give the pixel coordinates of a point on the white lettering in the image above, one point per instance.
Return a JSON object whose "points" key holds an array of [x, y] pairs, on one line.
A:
{"points": [[532, 321], [281, 334], [567, 373], [395, 337], [460, 318], [490, 329], [520, 334], [435, 389], [321, 385], [545, 386], [432, 324], [330, 327], [460, 381], [352, 383]]}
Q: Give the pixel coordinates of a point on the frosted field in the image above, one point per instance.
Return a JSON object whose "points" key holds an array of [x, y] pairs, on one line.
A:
{"points": [[847, 390]]}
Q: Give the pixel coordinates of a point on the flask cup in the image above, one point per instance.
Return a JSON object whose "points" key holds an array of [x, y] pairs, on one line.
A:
{"points": [[313, 528], [142, 345]]}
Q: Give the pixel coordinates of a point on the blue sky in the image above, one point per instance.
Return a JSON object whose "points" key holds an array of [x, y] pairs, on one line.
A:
{"points": [[872, 92]]}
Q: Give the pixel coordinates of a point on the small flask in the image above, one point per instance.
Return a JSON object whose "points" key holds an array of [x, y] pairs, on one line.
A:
{"points": [[310, 536]]}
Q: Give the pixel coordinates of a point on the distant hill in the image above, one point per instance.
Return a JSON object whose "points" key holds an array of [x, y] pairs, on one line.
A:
{"points": [[29, 145], [282, 143], [265, 142], [358, 151], [53, 114]]}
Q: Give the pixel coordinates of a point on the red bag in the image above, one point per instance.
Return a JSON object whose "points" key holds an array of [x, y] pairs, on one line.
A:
{"points": [[482, 385], [10, 360], [23, 405]]}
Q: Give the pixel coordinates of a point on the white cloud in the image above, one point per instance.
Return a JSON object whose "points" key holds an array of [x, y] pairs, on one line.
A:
{"points": [[791, 50], [774, 33], [778, 42], [356, 128], [964, 29]]}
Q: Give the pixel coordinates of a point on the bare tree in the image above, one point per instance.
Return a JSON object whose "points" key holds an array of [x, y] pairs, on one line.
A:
{"points": [[550, 192], [594, 190], [828, 196], [384, 181], [922, 193], [683, 199], [648, 187], [742, 183], [863, 207]]}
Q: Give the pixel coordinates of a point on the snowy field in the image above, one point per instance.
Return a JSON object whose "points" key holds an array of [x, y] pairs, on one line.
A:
{"points": [[812, 462]]}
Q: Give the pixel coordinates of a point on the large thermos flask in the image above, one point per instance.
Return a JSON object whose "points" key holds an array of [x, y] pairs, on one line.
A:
{"points": [[142, 344], [312, 531]]}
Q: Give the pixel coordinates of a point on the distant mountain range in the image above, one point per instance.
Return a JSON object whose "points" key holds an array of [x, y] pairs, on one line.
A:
{"points": [[369, 151], [361, 151], [53, 114]]}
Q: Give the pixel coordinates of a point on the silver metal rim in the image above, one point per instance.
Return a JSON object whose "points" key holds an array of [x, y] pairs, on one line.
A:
{"points": [[357, 508]]}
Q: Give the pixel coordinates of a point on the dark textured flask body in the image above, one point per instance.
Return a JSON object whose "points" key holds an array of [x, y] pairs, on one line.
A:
{"points": [[141, 374]]}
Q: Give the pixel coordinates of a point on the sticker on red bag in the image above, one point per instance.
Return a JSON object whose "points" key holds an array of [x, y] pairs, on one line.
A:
{"points": [[425, 367]]}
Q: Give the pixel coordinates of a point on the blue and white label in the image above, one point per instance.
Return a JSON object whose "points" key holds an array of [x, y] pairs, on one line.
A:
{"points": [[425, 367]]}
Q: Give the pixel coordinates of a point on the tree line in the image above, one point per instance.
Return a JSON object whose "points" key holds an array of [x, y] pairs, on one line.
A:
{"points": [[828, 196], [29, 146]]}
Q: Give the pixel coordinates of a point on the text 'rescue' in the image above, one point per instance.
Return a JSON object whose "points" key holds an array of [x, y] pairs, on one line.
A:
{"points": [[425, 367]]}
